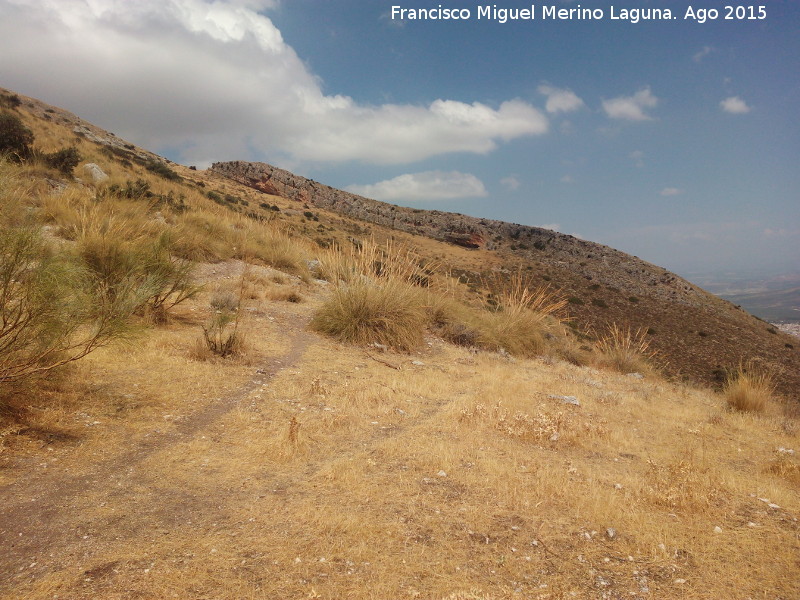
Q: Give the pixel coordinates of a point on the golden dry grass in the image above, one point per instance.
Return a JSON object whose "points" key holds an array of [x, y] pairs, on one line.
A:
{"points": [[445, 473], [749, 388]]}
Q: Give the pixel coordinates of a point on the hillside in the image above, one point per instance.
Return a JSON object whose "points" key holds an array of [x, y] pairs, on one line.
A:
{"points": [[698, 334], [227, 443]]}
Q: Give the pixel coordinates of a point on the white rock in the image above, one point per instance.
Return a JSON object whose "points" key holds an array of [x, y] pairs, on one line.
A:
{"points": [[441, 474], [611, 533], [717, 529], [565, 399], [636, 375], [95, 172]]}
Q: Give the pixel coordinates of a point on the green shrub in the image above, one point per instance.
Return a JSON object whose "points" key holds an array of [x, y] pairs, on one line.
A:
{"points": [[65, 160], [145, 263], [15, 138], [162, 170], [53, 310]]}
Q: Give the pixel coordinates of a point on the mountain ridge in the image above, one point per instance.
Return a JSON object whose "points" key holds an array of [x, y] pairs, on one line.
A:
{"points": [[698, 334]]}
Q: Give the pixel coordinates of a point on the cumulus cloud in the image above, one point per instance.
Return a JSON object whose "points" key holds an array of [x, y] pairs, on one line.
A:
{"points": [[511, 182], [735, 106], [671, 191], [631, 108], [427, 185], [216, 80], [560, 100]]}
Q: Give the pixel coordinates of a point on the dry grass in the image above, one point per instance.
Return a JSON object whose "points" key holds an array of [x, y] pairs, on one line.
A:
{"points": [[455, 475], [375, 299], [749, 388], [625, 350], [520, 321]]}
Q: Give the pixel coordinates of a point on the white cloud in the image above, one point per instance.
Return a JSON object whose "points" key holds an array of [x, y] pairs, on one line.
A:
{"points": [[560, 100], [428, 185], [551, 226], [511, 182], [567, 179], [671, 191], [700, 55], [638, 158], [631, 108], [217, 81], [735, 106]]}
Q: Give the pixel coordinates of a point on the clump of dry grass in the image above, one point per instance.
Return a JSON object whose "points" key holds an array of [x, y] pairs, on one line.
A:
{"points": [[388, 312], [625, 350], [519, 323], [749, 388], [375, 299]]}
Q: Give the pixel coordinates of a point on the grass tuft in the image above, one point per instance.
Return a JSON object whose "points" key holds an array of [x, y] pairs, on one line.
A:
{"points": [[749, 388], [625, 350]]}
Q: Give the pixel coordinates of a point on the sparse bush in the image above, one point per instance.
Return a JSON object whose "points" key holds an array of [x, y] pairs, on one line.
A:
{"points": [[53, 310], [625, 350], [10, 100], [749, 388], [144, 262], [162, 170], [64, 160], [15, 138], [221, 335], [599, 302]]}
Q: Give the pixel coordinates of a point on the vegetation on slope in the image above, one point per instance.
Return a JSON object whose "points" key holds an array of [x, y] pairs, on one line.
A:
{"points": [[313, 467]]}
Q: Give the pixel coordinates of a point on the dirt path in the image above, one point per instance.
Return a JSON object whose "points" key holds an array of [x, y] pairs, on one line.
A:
{"points": [[42, 518]]}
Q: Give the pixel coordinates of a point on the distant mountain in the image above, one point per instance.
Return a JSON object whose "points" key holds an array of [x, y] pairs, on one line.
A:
{"points": [[776, 306]]}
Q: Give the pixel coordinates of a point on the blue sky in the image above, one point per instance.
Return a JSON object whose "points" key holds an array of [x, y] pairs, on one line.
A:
{"points": [[674, 140]]}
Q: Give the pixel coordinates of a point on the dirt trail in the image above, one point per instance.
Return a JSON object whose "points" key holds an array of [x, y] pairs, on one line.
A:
{"points": [[41, 520]]}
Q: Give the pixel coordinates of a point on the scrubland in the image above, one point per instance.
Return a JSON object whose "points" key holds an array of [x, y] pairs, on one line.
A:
{"points": [[371, 431]]}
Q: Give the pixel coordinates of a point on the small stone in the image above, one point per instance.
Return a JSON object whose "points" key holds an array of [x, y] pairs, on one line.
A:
{"points": [[680, 581], [554, 437], [617, 486], [717, 529], [636, 375], [611, 533], [565, 399], [417, 363], [441, 474]]}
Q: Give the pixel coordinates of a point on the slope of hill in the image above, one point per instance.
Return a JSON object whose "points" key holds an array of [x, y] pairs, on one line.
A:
{"points": [[698, 334], [299, 466]]}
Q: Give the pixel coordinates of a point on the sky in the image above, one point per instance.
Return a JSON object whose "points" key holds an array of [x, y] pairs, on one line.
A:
{"points": [[675, 140]]}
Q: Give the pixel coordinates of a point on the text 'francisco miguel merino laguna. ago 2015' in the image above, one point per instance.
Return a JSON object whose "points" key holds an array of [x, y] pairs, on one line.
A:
{"points": [[549, 12]]}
